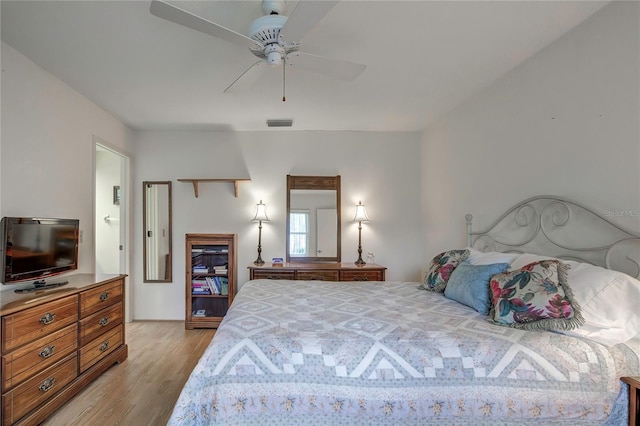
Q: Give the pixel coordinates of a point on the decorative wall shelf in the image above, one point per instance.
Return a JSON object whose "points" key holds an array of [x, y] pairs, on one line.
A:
{"points": [[196, 181]]}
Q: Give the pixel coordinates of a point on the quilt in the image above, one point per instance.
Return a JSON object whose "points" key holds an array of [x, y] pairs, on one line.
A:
{"points": [[310, 352]]}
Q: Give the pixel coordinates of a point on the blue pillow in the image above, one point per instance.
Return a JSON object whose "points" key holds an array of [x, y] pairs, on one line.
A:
{"points": [[469, 284]]}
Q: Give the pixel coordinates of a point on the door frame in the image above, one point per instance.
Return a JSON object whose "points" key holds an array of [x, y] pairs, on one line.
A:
{"points": [[125, 215]]}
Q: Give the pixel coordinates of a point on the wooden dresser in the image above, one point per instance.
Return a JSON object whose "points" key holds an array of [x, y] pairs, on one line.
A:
{"points": [[55, 342], [319, 271]]}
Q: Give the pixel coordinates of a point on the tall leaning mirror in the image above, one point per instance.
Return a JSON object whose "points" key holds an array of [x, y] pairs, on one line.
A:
{"points": [[313, 219], [156, 207]]}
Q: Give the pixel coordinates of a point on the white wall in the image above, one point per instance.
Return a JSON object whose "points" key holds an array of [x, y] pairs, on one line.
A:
{"points": [[381, 169], [48, 149], [566, 122]]}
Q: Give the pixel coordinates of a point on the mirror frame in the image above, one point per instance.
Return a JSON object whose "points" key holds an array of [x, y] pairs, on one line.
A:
{"points": [[311, 183], [169, 262]]}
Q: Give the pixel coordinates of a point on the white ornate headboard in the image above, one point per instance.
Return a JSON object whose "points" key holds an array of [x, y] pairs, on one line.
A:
{"points": [[553, 226]]}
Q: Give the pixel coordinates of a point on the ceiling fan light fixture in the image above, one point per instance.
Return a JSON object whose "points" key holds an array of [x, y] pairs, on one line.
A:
{"points": [[274, 53], [280, 122]]}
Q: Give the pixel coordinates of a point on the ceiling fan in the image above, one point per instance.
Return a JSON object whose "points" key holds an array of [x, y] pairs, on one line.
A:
{"points": [[274, 38]]}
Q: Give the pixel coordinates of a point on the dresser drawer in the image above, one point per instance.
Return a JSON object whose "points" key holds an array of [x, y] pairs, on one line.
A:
{"points": [[31, 324], [92, 301], [273, 275], [96, 324], [25, 397], [97, 349], [361, 276], [317, 275], [34, 357]]}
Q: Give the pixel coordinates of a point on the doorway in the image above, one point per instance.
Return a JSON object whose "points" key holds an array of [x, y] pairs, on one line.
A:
{"points": [[111, 213]]}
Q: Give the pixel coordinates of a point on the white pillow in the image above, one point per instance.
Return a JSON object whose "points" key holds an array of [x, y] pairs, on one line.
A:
{"points": [[527, 258], [478, 257], [610, 302]]}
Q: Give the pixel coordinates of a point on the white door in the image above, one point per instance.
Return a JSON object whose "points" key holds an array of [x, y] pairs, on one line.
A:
{"points": [[326, 235]]}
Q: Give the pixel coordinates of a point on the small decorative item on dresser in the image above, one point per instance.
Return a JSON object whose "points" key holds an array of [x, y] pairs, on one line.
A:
{"points": [[277, 262], [634, 399], [361, 216], [261, 216]]}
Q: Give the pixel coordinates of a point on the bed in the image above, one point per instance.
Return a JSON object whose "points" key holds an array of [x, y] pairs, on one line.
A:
{"points": [[307, 352]]}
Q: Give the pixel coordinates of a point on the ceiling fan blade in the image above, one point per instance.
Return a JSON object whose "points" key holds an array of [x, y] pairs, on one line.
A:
{"points": [[341, 70], [182, 17], [303, 18], [248, 78]]}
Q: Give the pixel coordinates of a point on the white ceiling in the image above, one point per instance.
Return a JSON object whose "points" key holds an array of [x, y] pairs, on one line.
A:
{"points": [[423, 58]]}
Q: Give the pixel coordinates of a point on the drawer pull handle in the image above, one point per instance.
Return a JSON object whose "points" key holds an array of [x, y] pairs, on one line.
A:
{"points": [[361, 279], [104, 346], [48, 318], [47, 351], [104, 296], [47, 384], [272, 277], [104, 321]]}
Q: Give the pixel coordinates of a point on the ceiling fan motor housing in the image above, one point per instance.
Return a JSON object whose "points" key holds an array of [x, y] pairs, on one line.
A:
{"points": [[266, 31]]}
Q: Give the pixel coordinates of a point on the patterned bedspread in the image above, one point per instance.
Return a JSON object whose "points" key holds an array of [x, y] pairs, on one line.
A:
{"points": [[309, 352]]}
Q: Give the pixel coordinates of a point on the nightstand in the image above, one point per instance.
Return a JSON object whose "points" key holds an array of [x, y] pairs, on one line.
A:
{"points": [[634, 399]]}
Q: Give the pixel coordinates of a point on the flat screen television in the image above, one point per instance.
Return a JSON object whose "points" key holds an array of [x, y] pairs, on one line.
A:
{"points": [[37, 248]]}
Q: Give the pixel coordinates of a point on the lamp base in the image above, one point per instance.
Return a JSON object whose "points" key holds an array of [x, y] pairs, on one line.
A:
{"points": [[259, 262], [360, 262]]}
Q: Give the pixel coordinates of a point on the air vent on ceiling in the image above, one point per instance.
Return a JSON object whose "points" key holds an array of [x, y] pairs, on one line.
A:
{"points": [[283, 122]]}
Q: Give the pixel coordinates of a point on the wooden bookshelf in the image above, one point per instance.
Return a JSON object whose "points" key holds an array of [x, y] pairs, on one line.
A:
{"points": [[207, 299]]}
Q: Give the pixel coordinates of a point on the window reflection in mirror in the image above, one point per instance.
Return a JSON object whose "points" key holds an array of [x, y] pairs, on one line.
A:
{"points": [[313, 221], [157, 254], [299, 233]]}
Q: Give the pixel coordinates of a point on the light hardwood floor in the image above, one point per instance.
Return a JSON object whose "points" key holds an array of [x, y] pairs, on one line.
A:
{"points": [[142, 390]]}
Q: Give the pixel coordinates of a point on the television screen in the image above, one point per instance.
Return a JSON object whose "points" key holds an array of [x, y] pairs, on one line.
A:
{"points": [[36, 248]]}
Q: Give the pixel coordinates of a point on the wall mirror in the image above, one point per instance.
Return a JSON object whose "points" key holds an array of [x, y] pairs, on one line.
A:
{"points": [[313, 219], [156, 207]]}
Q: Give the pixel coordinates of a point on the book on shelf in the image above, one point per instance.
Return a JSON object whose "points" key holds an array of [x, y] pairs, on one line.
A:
{"points": [[198, 269], [199, 313], [199, 287], [220, 270], [218, 284], [212, 285]]}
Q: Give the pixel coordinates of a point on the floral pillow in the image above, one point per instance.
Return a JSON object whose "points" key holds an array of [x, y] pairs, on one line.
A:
{"points": [[535, 297], [440, 269]]}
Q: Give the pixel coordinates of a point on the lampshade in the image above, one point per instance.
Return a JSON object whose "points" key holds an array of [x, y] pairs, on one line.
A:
{"points": [[361, 213], [261, 213]]}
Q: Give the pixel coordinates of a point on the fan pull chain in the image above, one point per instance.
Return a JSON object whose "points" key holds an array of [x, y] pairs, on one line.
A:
{"points": [[284, 73]]}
